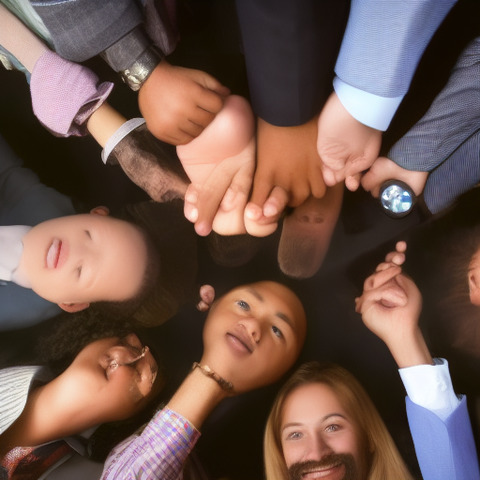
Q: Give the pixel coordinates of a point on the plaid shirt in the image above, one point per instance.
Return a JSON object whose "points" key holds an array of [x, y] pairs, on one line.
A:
{"points": [[159, 452]]}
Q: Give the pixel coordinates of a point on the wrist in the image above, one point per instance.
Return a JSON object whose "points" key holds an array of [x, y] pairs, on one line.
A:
{"points": [[138, 72], [196, 397], [410, 350]]}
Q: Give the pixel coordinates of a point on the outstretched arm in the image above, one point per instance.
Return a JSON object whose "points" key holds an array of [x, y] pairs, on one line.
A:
{"points": [[390, 307]]}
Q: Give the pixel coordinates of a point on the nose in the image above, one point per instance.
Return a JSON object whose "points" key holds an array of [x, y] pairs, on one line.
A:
{"points": [[316, 448], [253, 328], [125, 355]]}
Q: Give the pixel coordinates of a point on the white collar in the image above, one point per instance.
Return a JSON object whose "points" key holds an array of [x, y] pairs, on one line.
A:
{"points": [[11, 249]]}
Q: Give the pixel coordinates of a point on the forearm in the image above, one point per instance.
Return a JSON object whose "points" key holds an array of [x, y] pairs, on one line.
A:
{"points": [[104, 122], [160, 452], [290, 50], [19, 40], [452, 118], [409, 349], [81, 29], [381, 48]]}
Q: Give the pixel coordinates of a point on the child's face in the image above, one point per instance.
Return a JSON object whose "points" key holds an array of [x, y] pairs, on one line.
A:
{"points": [[256, 331], [84, 258]]}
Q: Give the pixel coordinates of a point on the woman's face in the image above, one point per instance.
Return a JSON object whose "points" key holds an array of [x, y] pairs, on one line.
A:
{"points": [[102, 384], [253, 334]]}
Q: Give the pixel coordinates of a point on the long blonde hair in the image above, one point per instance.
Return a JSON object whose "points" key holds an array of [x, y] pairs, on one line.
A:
{"points": [[385, 461]]}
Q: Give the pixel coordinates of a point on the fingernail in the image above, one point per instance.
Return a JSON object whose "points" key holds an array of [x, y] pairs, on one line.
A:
{"points": [[270, 210], [192, 216]]}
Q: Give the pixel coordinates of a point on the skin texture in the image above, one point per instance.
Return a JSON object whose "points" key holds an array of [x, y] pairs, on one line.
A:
{"points": [[390, 307], [288, 172], [220, 164], [88, 267], [346, 146], [258, 327], [314, 426], [87, 393], [384, 169], [178, 103], [307, 232]]}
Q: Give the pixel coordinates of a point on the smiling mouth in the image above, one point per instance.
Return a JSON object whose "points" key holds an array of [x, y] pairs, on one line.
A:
{"points": [[240, 343], [321, 472], [53, 253]]}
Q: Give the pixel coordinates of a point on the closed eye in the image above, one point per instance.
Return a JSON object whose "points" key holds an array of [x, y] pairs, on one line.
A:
{"points": [[88, 234], [79, 271]]}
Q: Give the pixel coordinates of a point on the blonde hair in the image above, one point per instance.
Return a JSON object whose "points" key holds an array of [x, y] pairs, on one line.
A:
{"points": [[385, 460]]}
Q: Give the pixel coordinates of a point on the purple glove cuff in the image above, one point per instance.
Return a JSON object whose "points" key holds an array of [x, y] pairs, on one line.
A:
{"points": [[65, 94]]}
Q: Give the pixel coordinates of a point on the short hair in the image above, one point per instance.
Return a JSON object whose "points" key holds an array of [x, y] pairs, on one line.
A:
{"points": [[385, 461]]}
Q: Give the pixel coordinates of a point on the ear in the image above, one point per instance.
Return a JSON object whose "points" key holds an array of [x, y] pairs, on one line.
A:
{"points": [[101, 210], [474, 290], [73, 307]]}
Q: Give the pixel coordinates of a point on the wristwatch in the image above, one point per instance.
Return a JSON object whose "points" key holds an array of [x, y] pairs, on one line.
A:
{"points": [[396, 198], [135, 75]]}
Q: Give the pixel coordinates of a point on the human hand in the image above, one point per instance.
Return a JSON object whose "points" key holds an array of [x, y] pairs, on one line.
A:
{"points": [[207, 296], [150, 164], [346, 146], [384, 169], [390, 307], [288, 172], [178, 103], [220, 164]]}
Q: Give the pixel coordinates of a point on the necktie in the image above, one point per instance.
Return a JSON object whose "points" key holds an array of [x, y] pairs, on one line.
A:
{"points": [[29, 463]]}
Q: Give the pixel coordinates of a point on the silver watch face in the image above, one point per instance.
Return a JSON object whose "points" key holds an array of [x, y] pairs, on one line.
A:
{"points": [[396, 198]]}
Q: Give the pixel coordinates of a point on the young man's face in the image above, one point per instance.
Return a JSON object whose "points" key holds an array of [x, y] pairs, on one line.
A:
{"points": [[260, 326], [319, 440], [84, 258]]}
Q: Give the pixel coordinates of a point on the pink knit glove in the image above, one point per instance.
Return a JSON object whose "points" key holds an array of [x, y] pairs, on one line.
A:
{"points": [[65, 94]]}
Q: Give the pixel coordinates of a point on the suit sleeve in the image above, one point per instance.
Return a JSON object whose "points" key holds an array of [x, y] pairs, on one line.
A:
{"points": [[290, 49], [380, 51], [445, 449], [81, 29]]}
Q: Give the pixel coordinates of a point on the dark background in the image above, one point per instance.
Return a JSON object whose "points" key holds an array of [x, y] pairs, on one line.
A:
{"points": [[231, 442]]}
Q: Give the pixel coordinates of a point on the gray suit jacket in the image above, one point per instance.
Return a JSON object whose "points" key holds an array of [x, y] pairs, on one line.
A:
{"points": [[446, 140]]}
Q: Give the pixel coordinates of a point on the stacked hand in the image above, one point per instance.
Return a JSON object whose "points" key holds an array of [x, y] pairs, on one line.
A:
{"points": [[178, 103], [390, 306], [346, 146]]}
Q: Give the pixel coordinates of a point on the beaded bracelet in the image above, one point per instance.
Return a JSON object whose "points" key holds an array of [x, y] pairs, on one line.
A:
{"points": [[207, 371]]}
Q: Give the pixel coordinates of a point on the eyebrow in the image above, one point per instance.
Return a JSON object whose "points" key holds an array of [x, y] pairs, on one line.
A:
{"points": [[323, 419], [280, 315]]}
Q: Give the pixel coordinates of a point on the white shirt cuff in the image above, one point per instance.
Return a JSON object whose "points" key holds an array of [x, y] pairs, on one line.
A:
{"points": [[430, 387], [371, 110], [122, 132]]}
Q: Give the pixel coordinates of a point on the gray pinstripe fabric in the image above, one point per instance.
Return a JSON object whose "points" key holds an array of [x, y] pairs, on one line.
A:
{"points": [[446, 140]]}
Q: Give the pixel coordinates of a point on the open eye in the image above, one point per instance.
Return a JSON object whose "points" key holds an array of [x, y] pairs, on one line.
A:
{"points": [[277, 332], [294, 436], [333, 428], [243, 305]]}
